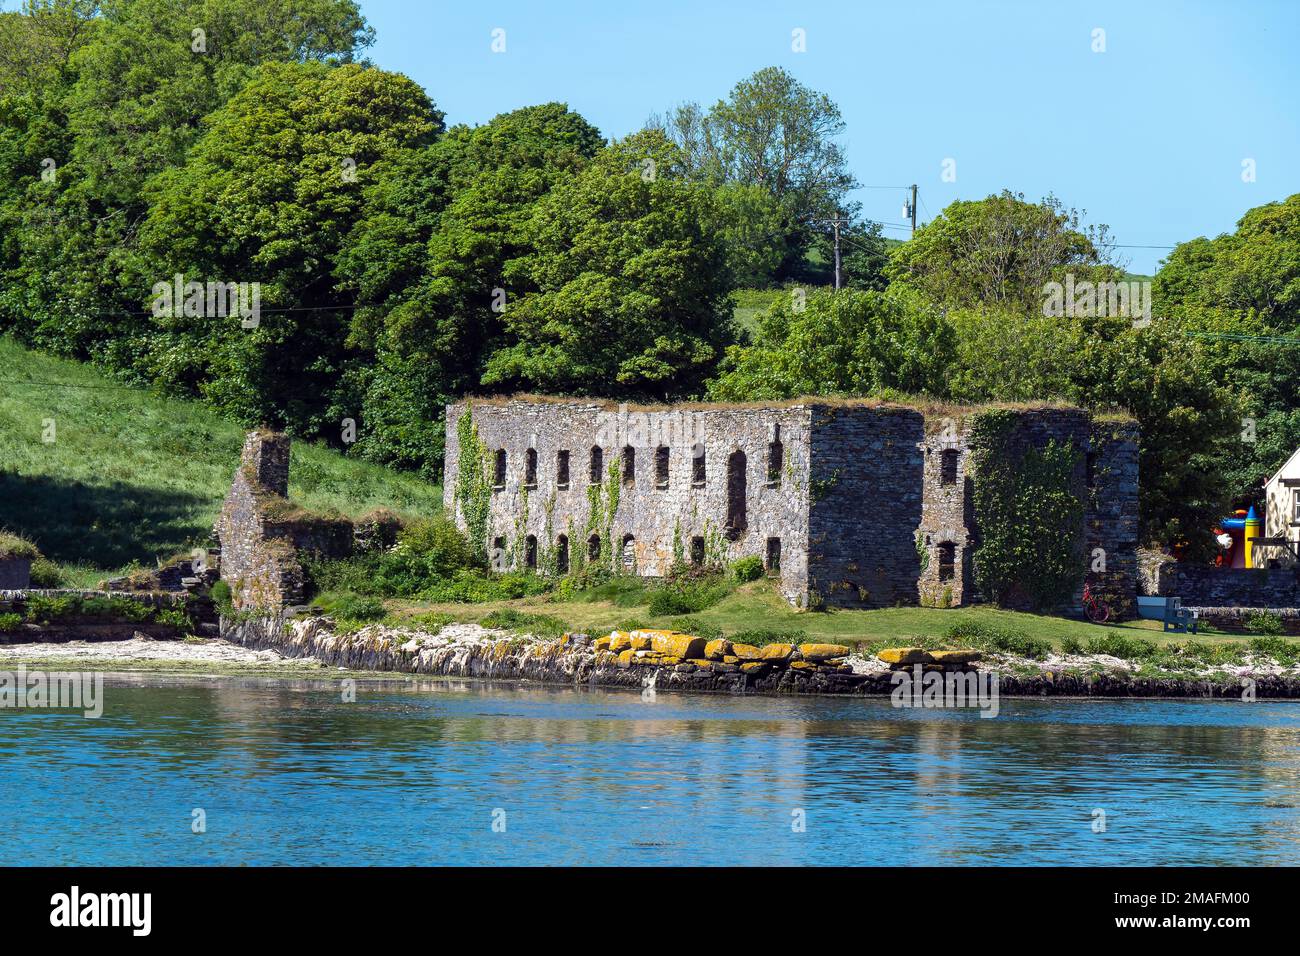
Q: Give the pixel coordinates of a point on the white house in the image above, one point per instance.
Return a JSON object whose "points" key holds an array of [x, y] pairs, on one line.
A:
{"points": [[1281, 517]]}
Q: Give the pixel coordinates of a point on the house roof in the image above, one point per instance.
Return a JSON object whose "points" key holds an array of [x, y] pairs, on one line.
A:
{"points": [[1286, 464]]}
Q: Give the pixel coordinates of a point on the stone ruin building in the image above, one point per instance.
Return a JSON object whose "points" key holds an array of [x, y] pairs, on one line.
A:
{"points": [[854, 504]]}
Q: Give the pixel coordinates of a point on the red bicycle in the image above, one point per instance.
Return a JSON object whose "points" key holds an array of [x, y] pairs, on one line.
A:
{"points": [[1095, 606]]}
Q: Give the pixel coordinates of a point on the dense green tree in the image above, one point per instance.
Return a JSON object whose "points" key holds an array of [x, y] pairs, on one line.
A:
{"points": [[627, 292], [442, 227], [840, 343], [270, 195], [777, 134], [1000, 251]]}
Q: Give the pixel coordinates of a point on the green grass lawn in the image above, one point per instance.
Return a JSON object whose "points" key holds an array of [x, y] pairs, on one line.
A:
{"points": [[132, 478], [758, 606]]}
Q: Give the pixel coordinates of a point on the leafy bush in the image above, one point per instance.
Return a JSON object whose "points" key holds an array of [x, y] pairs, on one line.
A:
{"points": [[47, 574], [763, 636], [1265, 622], [16, 546], [431, 621], [747, 569], [221, 597], [539, 625], [1119, 645], [996, 637], [687, 596], [10, 623], [475, 587], [43, 610], [358, 608], [1213, 653], [1280, 649], [1071, 645], [173, 617]]}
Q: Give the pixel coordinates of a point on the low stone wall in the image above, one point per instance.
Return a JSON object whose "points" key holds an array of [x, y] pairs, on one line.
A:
{"points": [[1210, 587], [1235, 619], [15, 573], [465, 651], [79, 625]]}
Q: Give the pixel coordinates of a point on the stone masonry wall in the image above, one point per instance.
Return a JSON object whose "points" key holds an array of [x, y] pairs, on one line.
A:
{"points": [[664, 522], [1211, 587], [867, 479], [871, 504], [262, 532]]}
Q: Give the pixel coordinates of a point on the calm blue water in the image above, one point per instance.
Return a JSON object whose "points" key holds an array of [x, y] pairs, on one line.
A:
{"points": [[411, 774]]}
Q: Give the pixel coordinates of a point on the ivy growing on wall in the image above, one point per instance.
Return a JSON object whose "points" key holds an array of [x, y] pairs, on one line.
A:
{"points": [[473, 483], [1028, 513]]}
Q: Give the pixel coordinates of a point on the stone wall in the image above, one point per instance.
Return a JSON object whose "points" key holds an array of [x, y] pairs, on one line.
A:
{"points": [[654, 521], [15, 573], [867, 479], [52, 616], [869, 505], [262, 533], [1204, 586]]}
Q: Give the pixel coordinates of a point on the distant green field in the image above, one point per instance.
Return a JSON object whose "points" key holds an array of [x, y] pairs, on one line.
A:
{"points": [[132, 478]]}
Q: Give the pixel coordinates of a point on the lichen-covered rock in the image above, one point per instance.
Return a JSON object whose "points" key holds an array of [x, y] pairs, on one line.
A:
{"points": [[619, 642], [956, 657], [602, 643], [776, 652], [757, 668], [718, 650], [626, 658], [677, 645], [746, 652], [640, 642], [904, 655], [822, 652]]}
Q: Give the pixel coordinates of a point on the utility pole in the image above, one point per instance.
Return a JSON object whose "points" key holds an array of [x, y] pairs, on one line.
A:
{"points": [[909, 209], [835, 224]]}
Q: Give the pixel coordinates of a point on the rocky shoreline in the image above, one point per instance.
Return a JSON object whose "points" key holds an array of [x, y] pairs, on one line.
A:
{"points": [[470, 651]]}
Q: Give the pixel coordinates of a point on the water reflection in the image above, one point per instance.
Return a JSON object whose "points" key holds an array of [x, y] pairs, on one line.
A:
{"points": [[411, 773]]}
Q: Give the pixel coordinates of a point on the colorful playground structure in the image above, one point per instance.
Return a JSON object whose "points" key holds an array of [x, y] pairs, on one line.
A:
{"points": [[1237, 535]]}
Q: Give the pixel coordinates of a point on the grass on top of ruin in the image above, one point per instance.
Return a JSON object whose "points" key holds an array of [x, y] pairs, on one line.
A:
{"points": [[103, 478]]}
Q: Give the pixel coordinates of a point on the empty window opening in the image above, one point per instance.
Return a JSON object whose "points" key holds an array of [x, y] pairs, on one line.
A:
{"points": [[498, 555], [597, 465], [593, 547], [737, 520], [499, 471], [530, 551], [775, 458], [947, 560], [1090, 472], [562, 554], [697, 551], [562, 469], [629, 552], [530, 468], [629, 466], [661, 466], [697, 467], [773, 555], [948, 466]]}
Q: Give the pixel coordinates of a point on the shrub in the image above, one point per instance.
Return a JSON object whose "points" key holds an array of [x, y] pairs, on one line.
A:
{"points": [[1119, 645], [221, 597], [1071, 645], [47, 574], [539, 625], [762, 636], [431, 621], [747, 569], [1265, 622], [173, 617], [43, 610], [357, 608], [997, 637], [686, 596], [1280, 649], [1213, 653], [10, 623], [475, 587]]}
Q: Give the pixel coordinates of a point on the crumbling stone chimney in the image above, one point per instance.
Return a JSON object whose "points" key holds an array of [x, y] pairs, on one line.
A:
{"points": [[266, 453]]}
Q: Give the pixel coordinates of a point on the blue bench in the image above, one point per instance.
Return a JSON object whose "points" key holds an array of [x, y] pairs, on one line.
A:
{"points": [[1169, 610]]}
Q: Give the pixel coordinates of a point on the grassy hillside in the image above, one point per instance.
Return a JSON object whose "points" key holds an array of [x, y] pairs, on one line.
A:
{"points": [[132, 477]]}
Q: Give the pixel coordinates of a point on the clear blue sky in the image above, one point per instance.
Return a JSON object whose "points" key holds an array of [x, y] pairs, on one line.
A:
{"points": [[1148, 137]]}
